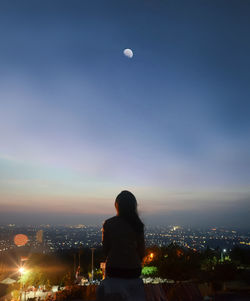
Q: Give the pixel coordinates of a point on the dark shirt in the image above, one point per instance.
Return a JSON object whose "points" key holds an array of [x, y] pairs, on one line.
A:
{"points": [[123, 247]]}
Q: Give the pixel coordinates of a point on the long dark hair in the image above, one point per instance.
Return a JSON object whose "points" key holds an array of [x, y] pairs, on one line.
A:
{"points": [[126, 206]]}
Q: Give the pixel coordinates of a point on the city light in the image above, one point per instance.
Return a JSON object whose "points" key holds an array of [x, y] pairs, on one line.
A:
{"points": [[21, 270], [90, 236]]}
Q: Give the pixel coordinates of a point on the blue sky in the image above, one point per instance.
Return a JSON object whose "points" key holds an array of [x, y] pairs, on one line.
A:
{"points": [[79, 122]]}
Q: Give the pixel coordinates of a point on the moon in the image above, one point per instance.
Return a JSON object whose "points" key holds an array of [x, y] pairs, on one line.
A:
{"points": [[128, 53]]}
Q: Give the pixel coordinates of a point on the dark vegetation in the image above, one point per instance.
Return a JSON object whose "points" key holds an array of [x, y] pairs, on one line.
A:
{"points": [[172, 262], [179, 264], [56, 268]]}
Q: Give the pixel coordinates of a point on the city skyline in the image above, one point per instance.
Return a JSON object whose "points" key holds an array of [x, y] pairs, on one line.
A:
{"points": [[52, 237], [79, 121]]}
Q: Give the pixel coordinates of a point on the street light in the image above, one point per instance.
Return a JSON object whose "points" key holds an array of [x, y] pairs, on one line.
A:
{"points": [[222, 254], [21, 270], [92, 249]]}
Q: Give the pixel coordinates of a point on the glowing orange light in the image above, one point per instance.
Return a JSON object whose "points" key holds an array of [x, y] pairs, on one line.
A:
{"points": [[21, 270], [179, 253], [151, 255], [20, 239]]}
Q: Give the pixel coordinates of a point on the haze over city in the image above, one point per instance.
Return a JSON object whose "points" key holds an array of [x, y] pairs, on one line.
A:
{"points": [[80, 121]]}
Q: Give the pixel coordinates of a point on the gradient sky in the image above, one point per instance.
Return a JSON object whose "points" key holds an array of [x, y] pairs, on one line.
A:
{"points": [[79, 122]]}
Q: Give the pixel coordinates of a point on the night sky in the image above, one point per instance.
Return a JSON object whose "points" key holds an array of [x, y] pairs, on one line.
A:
{"points": [[79, 121]]}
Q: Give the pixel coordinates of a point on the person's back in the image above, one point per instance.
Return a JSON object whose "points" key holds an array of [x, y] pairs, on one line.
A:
{"points": [[123, 247], [123, 239]]}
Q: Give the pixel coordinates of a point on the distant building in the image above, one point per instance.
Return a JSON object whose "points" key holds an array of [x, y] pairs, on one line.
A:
{"points": [[39, 236]]}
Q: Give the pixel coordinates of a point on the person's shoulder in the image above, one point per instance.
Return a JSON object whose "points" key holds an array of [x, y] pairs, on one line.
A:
{"points": [[111, 221]]}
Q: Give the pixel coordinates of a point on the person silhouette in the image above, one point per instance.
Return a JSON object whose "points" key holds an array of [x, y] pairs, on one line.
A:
{"points": [[124, 249], [123, 239]]}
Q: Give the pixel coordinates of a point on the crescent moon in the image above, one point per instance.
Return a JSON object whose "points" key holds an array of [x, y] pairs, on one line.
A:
{"points": [[128, 53]]}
